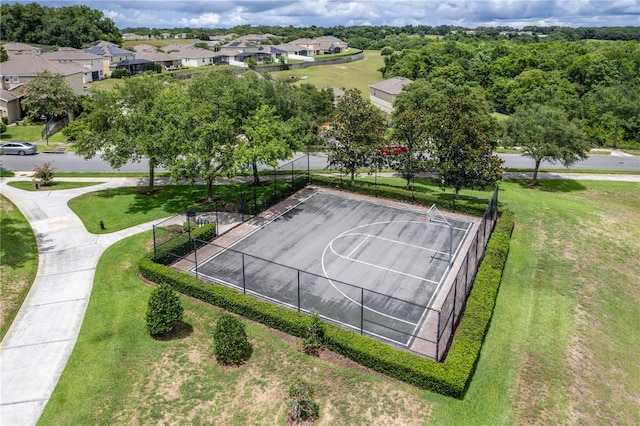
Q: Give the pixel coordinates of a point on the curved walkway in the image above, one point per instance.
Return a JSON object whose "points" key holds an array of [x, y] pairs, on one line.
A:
{"points": [[36, 348]]}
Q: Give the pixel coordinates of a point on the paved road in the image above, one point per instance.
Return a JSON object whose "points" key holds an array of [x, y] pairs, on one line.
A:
{"points": [[74, 163]]}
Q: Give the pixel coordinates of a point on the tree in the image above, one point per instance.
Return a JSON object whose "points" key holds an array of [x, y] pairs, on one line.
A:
{"points": [[302, 405], [358, 128], [314, 338], [462, 152], [4, 56], [546, 133], [129, 124], [231, 345], [265, 140], [199, 122], [609, 108], [164, 310], [49, 95]]}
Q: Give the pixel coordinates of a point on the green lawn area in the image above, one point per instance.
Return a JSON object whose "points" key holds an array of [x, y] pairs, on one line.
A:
{"points": [[121, 208], [31, 133], [18, 261], [56, 186], [357, 74], [562, 347]]}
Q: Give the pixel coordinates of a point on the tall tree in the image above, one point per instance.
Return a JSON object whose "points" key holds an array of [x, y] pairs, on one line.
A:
{"points": [[410, 131], [265, 140], [358, 128], [546, 133], [48, 94], [203, 129], [462, 150], [125, 125]]}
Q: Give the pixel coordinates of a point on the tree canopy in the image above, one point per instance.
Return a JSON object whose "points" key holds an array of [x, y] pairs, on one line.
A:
{"points": [[49, 95]]}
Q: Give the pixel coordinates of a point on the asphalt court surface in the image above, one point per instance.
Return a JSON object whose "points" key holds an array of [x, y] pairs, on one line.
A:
{"points": [[362, 264]]}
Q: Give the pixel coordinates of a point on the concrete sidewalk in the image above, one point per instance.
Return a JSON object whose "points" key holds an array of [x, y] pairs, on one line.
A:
{"points": [[36, 348]]}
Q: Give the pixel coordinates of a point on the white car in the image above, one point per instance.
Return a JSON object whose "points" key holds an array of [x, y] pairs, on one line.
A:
{"points": [[19, 148]]}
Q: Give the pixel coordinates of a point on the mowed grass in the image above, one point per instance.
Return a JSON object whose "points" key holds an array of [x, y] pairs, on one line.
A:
{"points": [[562, 347], [55, 186], [31, 133], [356, 74], [18, 261]]}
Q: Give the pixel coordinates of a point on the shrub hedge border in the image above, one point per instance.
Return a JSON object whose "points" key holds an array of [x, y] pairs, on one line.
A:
{"points": [[180, 245], [450, 378]]}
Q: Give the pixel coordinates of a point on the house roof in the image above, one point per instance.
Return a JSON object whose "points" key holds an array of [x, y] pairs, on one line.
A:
{"points": [[6, 95], [156, 56], [9, 47], [105, 48], [291, 47], [70, 53], [31, 66], [392, 86], [330, 39], [194, 52]]}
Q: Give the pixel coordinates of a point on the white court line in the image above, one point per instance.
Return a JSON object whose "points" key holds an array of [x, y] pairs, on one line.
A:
{"points": [[373, 265], [358, 246], [398, 242]]}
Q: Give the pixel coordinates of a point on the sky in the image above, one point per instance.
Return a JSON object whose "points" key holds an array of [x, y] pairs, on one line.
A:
{"points": [[329, 13]]}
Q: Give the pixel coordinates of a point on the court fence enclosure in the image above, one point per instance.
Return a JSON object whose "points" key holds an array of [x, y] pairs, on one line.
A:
{"points": [[426, 329]]}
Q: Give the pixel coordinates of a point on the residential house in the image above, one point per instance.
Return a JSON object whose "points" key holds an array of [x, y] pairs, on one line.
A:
{"points": [[384, 93], [90, 61], [21, 49], [10, 106], [136, 66], [132, 36], [331, 44], [295, 51], [255, 38], [19, 70], [111, 54], [195, 57], [312, 46], [168, 61]]}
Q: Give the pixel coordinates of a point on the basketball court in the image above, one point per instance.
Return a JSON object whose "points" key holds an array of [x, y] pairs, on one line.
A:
{"points": [[370, 265]]}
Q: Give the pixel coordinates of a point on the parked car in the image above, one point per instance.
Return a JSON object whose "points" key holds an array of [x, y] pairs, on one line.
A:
{"points": [[19, 148], [393, 149]]}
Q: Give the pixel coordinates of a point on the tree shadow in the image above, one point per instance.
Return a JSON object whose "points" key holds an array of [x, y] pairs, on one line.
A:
{"points": [[181, 330], [552, 185], [16, 243]]}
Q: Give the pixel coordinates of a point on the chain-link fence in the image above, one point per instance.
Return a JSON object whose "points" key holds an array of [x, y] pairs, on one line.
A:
{"points": [[426, 330]]}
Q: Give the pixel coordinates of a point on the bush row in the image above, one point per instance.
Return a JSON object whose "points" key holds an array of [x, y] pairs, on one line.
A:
{"points": [[470, 205], [181, 244], [450, 378]]}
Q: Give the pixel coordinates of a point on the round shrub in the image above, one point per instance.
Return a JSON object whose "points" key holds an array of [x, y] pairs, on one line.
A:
{"points": [[230, 341], [301, 404], [164, 310]]}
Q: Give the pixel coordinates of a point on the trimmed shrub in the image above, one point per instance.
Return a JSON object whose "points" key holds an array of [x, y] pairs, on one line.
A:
{"points": [[313, 340], [164, 310], [231, 346], [120, 73], [180, 245], [3, 127], [43, 174], [301, 403]]}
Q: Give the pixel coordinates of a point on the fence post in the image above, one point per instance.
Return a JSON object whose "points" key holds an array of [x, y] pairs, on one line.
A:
{"points": [[298, 290], [361, 310], [155, 257], [244, 286], [455, 296], [438, 335], [292, 175], [195, 256]]}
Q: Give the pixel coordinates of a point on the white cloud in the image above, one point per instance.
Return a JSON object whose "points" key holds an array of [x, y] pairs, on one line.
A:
{"points": [[204, 20]]}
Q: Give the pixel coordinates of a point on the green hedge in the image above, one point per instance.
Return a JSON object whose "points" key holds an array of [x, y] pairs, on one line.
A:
{"points": [[450, 378], [180, 245], [470, 205]]}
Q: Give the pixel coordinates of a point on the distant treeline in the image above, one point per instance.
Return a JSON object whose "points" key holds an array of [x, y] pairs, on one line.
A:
{"points": [[69, 26]]}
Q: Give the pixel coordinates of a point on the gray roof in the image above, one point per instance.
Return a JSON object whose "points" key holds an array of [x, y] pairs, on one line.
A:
{"points": [[11, 46], [70, 53], [31, 66], [6, 95], [194, 52], [104, 48], [392, 86]]}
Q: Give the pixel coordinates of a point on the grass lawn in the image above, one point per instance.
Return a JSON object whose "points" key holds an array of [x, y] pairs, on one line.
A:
{"points": [[121, 208], [56, 186], [31, 133], [18, 261], [357, 74], [562, 347]]}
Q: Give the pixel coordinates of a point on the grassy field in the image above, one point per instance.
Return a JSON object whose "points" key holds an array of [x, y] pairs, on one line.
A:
{"points": [[562, 347], [31, 133], [357, 74], [18, 261]]}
